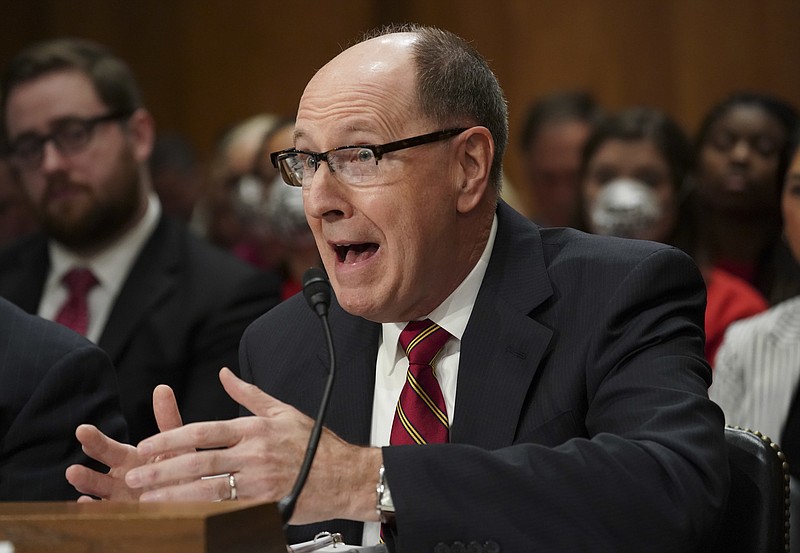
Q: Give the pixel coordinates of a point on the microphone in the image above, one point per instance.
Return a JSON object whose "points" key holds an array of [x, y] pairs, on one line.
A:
{"points": [[317, 291]]}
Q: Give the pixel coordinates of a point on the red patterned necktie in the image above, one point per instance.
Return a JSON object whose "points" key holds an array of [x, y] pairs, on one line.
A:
{"points": [[75, 311], [421, 414]]}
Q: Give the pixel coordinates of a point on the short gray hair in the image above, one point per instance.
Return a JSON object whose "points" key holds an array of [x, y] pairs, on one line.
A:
{"points": [[456, 86]]}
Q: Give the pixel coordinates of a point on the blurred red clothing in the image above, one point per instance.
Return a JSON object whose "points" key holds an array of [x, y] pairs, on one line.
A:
{"points": [[730, 298]]}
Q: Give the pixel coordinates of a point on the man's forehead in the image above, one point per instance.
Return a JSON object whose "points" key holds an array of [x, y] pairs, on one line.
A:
{"points": [[369, 59], [53, 95], [368, 89]]}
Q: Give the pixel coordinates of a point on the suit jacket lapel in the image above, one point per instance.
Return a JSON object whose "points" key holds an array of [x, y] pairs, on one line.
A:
{"points": [[151, 278], [503, 346]]}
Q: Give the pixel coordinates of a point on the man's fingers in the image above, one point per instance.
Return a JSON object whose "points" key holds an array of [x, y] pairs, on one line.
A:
{"points": [[191, 466], [187, 438], [208, 489], [247, 395], [88, 481], [100, 447], [165, 408]]}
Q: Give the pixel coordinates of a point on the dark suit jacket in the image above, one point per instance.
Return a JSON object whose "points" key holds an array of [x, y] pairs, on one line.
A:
{"points": [[177, 320], [51, 381], [582, 421]]}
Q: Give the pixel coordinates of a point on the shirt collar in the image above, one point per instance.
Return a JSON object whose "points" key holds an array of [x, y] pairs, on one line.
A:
{"points": [[454, 312]]}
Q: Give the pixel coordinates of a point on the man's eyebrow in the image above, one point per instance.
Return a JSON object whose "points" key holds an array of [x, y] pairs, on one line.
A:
{"points": [[55, 123], [297, 134]]}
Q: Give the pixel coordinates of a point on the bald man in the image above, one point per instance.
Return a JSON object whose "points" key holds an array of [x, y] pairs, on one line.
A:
{"points": [[563, 405]]}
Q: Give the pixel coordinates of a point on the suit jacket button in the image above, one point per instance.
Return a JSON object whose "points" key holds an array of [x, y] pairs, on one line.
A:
{"points": [[441, 548], [458, 547], [491, 547], [474, 547]]}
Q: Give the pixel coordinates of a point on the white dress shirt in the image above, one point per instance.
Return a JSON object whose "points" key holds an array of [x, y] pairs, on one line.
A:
{"points": [[392, 365], [111, 267]]}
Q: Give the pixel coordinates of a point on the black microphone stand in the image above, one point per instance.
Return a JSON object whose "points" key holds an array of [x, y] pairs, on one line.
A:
{"points": [[317, 290]]}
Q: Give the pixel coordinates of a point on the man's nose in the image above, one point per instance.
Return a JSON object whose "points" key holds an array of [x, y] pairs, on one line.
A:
{"points": [[52, 158], [326, 197]]}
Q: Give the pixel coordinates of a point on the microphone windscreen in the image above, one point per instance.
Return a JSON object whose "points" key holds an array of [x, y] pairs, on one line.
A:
{"points": [[317, 290]]}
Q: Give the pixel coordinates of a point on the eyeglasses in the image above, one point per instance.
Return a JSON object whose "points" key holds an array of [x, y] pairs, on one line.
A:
{"points": [[70, 135], [349, 164]]}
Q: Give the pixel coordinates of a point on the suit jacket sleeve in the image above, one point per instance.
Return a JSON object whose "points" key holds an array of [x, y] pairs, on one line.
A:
{"points": [[637, 464], [55, 386]]}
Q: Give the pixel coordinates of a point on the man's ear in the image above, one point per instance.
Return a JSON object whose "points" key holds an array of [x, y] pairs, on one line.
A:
{"points": [[142, 133], [475, 155]]}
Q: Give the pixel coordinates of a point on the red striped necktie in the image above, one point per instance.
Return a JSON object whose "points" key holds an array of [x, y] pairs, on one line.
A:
{"points": [[421, 414], [75, 311]]}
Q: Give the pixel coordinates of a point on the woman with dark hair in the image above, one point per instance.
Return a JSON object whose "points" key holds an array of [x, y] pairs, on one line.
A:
{"points": [[645, 145], [635, 183], [757, 380], [743, 149]]}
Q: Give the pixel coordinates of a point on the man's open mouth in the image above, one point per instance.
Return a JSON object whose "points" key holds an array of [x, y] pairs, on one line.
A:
{"points": [[353, 253]]}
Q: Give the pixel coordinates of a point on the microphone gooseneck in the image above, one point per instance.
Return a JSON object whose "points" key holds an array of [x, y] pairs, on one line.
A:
{"points": [[317, 291]]}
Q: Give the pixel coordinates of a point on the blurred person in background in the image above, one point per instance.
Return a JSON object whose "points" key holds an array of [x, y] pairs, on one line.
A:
{"points": [[636, 183], [16, 216], [51, 381], [275, 215], [167, 307], [553, 133], [757, 380], [234, 158], [742, 155], [176, 174]]}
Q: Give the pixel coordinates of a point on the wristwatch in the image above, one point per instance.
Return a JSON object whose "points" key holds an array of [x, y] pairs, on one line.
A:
{"points": [[384, 504]]}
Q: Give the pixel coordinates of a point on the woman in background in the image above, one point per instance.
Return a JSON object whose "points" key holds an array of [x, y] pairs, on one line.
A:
{"points": [[274, 212], [743, 149], [635, 183], [758, 365]]}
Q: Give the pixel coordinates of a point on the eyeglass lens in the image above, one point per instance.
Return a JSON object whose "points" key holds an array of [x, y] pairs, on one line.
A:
{"points": [[349, 164], [70, 136]]}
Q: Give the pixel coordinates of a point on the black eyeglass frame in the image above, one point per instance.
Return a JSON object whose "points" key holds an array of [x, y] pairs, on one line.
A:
{"points": [[88, 124], [378, 150]]}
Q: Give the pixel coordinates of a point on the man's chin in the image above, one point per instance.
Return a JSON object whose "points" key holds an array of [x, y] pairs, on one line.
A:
{"points": [[73, 239], [359, 304], [72, 231]]}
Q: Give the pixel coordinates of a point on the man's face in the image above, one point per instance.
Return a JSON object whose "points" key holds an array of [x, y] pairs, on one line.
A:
{"points": [[87, 198], [391, 248], [552, 163]]}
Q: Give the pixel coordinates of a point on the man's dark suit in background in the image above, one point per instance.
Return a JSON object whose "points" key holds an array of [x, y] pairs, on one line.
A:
{"points": [[51, 380], [177, 320], [582, 421], [168, 308]]}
